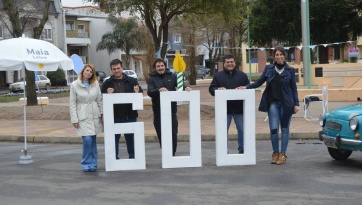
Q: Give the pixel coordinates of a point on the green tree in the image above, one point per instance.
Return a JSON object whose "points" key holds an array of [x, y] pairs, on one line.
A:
{"points": [[340, 21], [126, 35], [21, 21], [57, 77], [330, 21], [272, 22], [214, 29], [157, 14]]}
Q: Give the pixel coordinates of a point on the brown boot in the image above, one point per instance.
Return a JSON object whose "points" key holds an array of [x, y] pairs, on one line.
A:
{"points": [[275, 157], [282, 159]]}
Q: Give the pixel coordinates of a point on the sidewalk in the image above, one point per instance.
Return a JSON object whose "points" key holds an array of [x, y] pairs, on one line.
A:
{"points": [[61, 131]]}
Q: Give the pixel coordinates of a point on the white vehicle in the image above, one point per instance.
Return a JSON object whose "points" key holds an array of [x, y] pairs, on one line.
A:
{"points": [[129, 73], [42, 83]]}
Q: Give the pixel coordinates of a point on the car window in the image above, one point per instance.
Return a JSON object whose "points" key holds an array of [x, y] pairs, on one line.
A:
{"points": [[126, 72], [131, 72], [42, 77]]}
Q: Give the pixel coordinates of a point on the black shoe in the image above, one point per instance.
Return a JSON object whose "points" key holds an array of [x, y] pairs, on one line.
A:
{"points": [[241, 151], [117, 157]]}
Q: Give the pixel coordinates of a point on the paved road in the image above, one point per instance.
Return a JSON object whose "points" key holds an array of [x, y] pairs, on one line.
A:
{"points": [[309, 177]]}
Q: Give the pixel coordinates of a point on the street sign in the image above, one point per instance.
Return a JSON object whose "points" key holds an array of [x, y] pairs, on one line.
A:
{"points": [[353, 52]]}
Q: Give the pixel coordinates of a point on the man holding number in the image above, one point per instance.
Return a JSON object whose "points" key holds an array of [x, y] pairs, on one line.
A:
{"points": [[232, 78], [123, 113], [162, 80]]}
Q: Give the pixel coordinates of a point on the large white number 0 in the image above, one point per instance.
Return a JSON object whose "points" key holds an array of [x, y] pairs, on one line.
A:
{"points": [[221, 98], [194, 160]]}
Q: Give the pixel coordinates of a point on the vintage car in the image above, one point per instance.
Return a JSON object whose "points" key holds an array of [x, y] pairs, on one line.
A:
{"points": [[342, 131]]}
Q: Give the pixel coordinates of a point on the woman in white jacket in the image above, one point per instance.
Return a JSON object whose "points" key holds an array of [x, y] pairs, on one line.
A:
{"points": [[86, 111]]}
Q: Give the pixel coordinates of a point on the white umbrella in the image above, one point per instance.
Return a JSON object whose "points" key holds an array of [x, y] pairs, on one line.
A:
{"points": [[34, 55]]}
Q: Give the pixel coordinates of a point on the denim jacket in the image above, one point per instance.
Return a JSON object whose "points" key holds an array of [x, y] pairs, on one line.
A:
{"points": [[288, 88]]}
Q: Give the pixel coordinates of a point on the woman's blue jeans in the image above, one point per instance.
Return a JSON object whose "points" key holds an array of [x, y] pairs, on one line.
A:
{"points": [[90, 153], [238, 119], [275, 115]]}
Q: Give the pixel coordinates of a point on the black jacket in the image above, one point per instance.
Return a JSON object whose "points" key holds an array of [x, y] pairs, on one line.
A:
{"points": [[125, 109], [230, 80], [157, 81]]}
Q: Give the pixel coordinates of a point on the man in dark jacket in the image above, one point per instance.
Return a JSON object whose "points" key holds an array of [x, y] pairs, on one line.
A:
{"points": [[123, 113], [162, 80], [232, 78]]}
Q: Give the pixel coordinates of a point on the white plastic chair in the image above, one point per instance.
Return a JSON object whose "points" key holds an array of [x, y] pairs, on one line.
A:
{"points": [[323, 100]]}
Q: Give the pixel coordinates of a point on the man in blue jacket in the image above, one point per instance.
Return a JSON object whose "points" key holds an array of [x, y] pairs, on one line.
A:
{"points": [[232, 78]]}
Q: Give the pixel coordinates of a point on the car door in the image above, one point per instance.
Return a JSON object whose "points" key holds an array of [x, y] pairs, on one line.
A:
{"points": [[41, 82]]}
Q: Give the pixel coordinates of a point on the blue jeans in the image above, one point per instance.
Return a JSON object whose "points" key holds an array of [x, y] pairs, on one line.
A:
{"points": [[129, 137], [90, 154], [275, 114], [238, 119]]}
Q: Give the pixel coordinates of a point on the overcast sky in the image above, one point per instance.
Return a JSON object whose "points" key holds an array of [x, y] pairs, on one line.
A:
{"points": [[71, 3]]}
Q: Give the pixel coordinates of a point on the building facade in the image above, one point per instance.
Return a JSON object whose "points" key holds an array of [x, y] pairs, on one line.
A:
{"points": [[84, 29]]}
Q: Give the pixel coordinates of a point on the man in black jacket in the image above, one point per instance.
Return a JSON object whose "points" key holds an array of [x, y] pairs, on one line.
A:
{"points": [[162, 80], [123, 113], [232, 78]]}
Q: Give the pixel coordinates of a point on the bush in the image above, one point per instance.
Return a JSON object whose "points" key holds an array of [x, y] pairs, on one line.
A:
{"points": [[57, 78]]}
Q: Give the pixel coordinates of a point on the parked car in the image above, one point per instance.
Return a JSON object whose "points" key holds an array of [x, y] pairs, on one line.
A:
{"points": [[101, 75], [201, 74], [203, 68], [342, 131], [129, 73], [42, 83]]}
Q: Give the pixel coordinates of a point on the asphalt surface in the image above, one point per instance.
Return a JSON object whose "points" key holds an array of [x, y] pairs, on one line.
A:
{"points": [[310, 176]]}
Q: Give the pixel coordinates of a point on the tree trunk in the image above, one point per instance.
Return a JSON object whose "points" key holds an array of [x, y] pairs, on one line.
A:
{"points": [[212, 68], [192, 60], [164, 40], [30, 78], [30, 88]]}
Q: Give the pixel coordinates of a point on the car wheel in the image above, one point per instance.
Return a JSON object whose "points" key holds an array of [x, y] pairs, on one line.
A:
{"points": [[339, 154], [47, 87], [203, 76]]}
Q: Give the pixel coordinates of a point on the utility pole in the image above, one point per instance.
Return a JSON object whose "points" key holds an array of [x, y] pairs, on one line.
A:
{"points": [[306, 42]]}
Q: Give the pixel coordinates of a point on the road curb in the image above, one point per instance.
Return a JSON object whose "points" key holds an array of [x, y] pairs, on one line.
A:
{"points": [[148, 138]]}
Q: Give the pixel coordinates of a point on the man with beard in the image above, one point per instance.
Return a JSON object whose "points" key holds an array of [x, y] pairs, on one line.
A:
{"points": [[162, 80]]}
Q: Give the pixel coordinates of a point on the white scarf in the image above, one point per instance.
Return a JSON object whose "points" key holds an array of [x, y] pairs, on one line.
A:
{"points": [[279, 71]]}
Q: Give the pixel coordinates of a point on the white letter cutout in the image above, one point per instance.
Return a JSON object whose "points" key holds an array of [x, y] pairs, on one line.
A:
{"points": [[111, 128], [249, 157], [194, 160]]}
